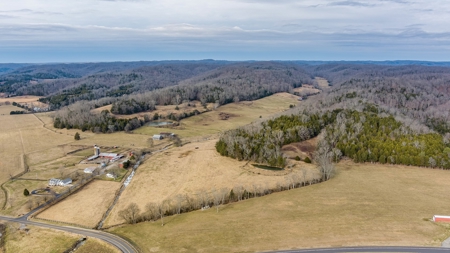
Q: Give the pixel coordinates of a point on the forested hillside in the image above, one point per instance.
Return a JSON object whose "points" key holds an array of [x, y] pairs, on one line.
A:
{"points": [[397, 115]]}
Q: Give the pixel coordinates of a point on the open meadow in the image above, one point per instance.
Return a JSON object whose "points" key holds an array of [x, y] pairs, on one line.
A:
{"points": [[228, 116], [21, 135], [162, 110], [194, 169], [365, 204], [86, 207], [48, 241]]}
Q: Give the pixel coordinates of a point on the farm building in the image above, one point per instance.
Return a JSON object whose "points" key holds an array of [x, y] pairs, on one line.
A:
{"points": [[441, 218], [97, 154], [111, 175], [59, 182], [54, 182], [164, 135], [89, 170], [157, 137]]}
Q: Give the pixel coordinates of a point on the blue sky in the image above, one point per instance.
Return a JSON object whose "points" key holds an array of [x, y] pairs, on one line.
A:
{"points": [[129, 30]]}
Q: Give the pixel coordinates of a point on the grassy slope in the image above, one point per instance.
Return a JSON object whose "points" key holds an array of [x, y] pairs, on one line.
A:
{"points": [[243, 113], [38, 240], [364, 205]]}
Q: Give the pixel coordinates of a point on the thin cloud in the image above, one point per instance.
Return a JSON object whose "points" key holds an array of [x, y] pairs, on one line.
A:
{"points": [[350, 3]]}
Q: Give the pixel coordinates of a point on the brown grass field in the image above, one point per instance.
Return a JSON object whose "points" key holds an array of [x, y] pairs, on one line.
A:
{"points": [[162, 110], [49, 241], [365, 204], [20, 135], [93, 245], [190, 169], [20, 99], [323, 83], [85, 207], [306, 90], [243, 113]]}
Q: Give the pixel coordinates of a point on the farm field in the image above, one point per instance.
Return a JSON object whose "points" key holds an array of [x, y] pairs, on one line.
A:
{"points": [[20, 99], [239, 114], [86, 207], [22, 134], [193, 169], [49, 241], [365, 204], [162, 110], [323, 83]]}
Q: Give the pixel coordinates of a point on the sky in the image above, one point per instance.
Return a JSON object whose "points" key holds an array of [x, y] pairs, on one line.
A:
{"points": [[133, 30]]}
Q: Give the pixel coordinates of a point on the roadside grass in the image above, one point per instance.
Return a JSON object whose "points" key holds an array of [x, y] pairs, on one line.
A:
{"points": [[37, 240], [241, 113], [93, 245], [86, 207], [365, 204]]}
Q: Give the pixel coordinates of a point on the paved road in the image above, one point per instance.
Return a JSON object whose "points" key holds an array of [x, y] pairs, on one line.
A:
{"points": [[118, 242], [370, 249]]}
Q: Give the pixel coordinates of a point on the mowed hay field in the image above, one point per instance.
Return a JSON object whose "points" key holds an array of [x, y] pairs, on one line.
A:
{"points": [[22, 134], [85, 207], [192, 169], [241, 113], [363, 205]]}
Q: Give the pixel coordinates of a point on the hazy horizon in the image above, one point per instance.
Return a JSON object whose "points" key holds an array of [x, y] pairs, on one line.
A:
{"points": [[144, 30]]}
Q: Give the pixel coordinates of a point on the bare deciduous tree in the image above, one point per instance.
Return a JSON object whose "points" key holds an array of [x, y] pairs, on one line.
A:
{"points": [[131, 213]]}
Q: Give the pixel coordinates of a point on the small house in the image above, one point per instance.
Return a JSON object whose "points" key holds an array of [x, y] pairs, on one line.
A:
{"points": [[111, 175], [54, 182], [66, 182], [157, 137]]}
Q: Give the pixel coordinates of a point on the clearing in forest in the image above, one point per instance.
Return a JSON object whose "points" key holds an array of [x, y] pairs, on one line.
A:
{"points": [[164, 110], [86, 207], [365, 204], [241, 113]]}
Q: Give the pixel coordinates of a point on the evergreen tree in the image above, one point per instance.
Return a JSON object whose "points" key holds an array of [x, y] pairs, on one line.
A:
{"points": [[26, 193], [77, 136]]}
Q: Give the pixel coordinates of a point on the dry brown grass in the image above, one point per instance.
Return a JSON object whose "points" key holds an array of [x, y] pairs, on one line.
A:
{"points": [[302, 149], [323, 83], [244, 112], [85, 207], [23, 134], [96, 246], [48, 240], [162, 110], [20, 99], [17, 203], [190, 169], [38, 240], [364, 204], [306, 90]]}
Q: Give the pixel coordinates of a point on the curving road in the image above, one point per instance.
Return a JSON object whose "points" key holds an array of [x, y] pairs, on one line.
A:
{"points": [[369, 249], [117, 241]]}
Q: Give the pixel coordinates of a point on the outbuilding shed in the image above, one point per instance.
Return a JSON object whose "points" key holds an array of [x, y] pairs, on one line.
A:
{"points": [[441, 218]]}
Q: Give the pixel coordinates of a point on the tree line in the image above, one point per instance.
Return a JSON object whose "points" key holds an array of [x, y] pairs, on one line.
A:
{"points": [[203, 199]]}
